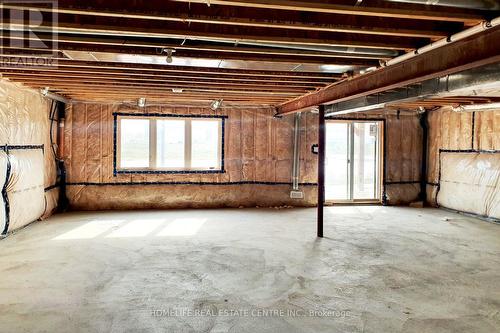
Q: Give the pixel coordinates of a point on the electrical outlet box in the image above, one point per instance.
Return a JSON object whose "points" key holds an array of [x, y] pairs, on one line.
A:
{"points": [[297, 195]]}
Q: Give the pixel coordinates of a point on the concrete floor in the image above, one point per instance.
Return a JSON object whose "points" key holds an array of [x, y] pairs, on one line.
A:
{"points": [[380, 269]]}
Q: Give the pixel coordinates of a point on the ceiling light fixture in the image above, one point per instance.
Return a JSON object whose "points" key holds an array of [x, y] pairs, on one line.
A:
{"points": [[215, 105], [141, 102], [169, 53], [177, 90]]}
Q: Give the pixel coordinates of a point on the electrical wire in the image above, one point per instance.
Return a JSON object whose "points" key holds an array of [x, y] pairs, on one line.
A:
{"points": [[53, 108]]}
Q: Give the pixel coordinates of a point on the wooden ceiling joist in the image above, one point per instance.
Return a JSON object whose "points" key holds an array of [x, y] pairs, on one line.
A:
{"points": [[302, 39], [102, 66], [187, 87], [54, 74], [258, 17], [281, 58], [156, 44], [55, 78], [87, 24], [395, 11]]}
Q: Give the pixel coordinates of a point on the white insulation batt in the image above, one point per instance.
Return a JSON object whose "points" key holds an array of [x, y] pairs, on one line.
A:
{"points": [[24, 126], [25, 188], [470, 182]]}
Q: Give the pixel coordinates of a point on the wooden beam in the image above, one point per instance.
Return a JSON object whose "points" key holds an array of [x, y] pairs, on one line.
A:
{"points": [[455, 57]]}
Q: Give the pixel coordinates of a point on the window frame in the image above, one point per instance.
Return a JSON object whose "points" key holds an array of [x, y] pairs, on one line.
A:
{"points": [[153, 169]]}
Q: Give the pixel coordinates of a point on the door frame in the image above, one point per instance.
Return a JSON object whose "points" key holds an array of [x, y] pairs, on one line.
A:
{"points": [[381, 161]]}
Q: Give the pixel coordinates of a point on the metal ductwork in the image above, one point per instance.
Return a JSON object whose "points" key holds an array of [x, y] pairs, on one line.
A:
{"points": [[305, 47], [471, 4], [332, 49], [465, 83]]}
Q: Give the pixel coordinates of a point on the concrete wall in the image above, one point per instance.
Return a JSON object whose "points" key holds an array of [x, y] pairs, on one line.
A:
{"points": [[258, 161], [24, 127]]}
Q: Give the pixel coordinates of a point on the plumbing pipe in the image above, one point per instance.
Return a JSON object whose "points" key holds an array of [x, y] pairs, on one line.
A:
{"points": [[46, 93], [296, 153]]}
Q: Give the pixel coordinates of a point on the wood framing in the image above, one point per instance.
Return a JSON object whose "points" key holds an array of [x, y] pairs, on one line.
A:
{"points": [[248, 52]]}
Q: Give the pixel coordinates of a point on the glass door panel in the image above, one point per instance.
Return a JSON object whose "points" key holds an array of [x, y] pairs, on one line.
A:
{"points": [[365, 162], [352, 166], [337, 161]]}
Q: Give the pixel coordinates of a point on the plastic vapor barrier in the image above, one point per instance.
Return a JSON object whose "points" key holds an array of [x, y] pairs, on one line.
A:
{"points": [[25, 189], [25, 146], [470, 182]]}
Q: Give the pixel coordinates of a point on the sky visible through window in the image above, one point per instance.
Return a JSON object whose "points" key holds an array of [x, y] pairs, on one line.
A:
{"points": [[177, 144]]}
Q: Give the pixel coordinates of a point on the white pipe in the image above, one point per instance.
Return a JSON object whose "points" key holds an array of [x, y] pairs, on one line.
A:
{"points": [[54, 97], [442, 42], [296, 153]]}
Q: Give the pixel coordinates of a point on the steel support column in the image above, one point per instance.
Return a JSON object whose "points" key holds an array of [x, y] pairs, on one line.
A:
{"points": [[321, 169]]}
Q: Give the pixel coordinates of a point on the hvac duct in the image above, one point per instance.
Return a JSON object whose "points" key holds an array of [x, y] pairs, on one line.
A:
{"points": [[305, 47], [471, 4], [331, 49]]}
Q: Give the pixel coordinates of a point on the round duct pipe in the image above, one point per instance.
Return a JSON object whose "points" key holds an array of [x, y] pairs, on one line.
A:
{"points": [[333, 49], [471, 4]]}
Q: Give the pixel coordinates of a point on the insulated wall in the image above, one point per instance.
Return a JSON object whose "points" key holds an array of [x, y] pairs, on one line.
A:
{"points": [[258, 162], [257, 157], [27, 165], [463, 161]]}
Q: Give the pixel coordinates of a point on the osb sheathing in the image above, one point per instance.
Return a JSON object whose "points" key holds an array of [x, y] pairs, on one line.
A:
{"points": [[258, 148], [403, 160], [24, 120], [458, 131]]}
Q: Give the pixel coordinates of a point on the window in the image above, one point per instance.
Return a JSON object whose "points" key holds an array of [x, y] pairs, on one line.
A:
{"points": [[168, 144]]}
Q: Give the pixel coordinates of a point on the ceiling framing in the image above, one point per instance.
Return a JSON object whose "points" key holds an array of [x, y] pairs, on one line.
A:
{"points": [[245, 52]]}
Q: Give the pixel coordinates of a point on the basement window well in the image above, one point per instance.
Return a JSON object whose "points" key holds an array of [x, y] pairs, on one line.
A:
{"points": [[168, 144]]}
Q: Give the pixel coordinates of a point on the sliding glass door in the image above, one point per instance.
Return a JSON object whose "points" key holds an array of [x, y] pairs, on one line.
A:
{"points": [[353, 161]]}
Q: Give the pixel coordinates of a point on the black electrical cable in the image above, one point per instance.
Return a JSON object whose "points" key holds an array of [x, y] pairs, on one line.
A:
{"points": [[53, 108]]}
